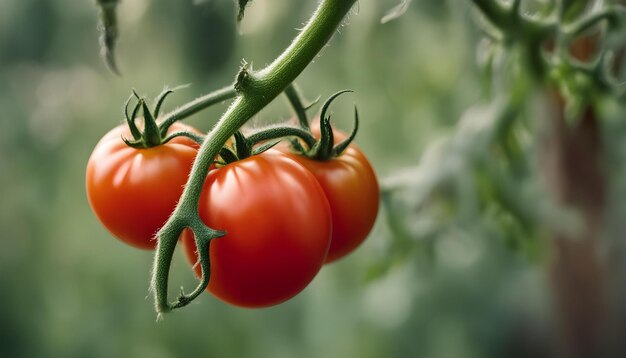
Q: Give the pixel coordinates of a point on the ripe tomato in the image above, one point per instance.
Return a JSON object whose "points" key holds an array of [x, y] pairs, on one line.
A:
{"points": [[133, 191], [278, 226], [351, 187]]}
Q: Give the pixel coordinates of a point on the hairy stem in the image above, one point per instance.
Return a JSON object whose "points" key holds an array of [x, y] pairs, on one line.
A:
{"points": [[197, 105], [280, 132], [294, 97], [254, 91]]}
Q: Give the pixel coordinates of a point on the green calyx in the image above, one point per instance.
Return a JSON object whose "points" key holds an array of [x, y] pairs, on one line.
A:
{"points": [[241, 148], [153, 134], [325, 148], [260, 141], [301, 138]]}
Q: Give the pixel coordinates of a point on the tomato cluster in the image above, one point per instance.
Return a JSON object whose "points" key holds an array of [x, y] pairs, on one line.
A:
{"points": [[285, 215]]}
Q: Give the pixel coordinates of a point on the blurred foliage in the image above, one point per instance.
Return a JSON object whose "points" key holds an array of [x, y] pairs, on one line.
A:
{"points": [[438, 276]]}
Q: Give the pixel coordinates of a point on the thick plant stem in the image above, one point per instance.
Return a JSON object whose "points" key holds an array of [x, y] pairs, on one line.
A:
{"points": [[255, 90]]}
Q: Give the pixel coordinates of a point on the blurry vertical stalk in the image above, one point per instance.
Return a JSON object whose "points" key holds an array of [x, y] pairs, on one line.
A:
{"points": [[573, 167], [108, 32]]}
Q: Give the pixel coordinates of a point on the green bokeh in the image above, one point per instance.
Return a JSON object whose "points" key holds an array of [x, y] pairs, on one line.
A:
{"points": [[69, 289]]}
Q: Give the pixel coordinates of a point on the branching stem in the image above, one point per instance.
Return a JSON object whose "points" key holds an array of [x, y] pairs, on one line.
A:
{"points": [[197, 105], [254, 91]]}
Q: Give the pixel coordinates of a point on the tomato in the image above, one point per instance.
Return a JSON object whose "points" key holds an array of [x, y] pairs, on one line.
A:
{"points": [[133, 191], [278, 226], [351, 187]]}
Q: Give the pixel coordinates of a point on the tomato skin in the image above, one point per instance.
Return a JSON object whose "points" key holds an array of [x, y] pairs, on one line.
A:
{"points": [[352, 190], [278, 226], [133, 191]]}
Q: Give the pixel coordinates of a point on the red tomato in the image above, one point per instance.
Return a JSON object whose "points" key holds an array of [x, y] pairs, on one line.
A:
{"points": [[278, 226], [133, 191], [351, 187]]}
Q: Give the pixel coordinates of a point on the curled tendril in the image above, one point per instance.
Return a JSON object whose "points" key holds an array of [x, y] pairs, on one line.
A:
{"points": [[202, 236], [325, 149]]}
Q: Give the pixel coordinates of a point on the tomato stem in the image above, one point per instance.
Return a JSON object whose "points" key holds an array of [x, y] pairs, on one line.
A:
{"points": [[244, 147], [254, 91], [193, 136], [197, 105], [281, 132], [295, 99]]}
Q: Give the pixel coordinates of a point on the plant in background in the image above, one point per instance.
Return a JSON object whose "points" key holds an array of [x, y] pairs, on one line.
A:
{"points": [[528, 163]]}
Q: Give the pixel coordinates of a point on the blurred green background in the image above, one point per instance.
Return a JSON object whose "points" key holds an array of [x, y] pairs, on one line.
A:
{"points": [[69, 289]]}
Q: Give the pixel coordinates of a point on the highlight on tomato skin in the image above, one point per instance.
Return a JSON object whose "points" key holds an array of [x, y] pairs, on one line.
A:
{"points": [[133, 191], [351, 187], [278, 225]]}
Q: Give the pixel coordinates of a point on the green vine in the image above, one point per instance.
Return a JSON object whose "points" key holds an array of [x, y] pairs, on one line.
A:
{"points": [[254, 90]]}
